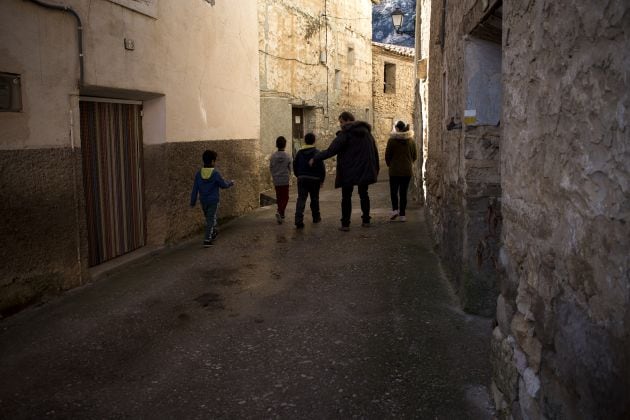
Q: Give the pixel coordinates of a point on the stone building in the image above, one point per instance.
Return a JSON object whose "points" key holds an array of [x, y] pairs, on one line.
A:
{"points": [[106, 109], [528, 175], [315, 62], [393, 89]]}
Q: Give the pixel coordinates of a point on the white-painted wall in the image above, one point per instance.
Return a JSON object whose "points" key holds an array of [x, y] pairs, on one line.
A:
{"points": [[202, 58]]}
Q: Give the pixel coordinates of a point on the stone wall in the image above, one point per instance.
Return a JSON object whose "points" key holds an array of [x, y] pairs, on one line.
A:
{"points": [[462, 162], [564, 313], [390, 107], [42, 206], [237, 160], [553, 218], [481, 219], [44, 250], [270, 128], [314, 58]]}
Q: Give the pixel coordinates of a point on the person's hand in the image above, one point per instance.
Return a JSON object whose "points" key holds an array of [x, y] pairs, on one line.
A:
{"points": [[311, 162]]}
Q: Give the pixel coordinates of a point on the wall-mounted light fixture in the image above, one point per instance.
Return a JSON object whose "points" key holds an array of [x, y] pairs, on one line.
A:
{"points": [[397, 21]]}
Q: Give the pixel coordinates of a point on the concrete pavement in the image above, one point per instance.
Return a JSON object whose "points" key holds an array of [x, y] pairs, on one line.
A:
{"points": [[270, 322]]}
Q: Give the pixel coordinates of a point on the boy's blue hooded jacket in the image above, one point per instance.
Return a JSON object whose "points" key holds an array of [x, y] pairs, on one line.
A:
{"points": [[207, 184]]}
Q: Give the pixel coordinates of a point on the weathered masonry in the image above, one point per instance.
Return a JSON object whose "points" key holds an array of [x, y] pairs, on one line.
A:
{"points": [[393, 87], [528, 190], [315, 62], [106, 108]]}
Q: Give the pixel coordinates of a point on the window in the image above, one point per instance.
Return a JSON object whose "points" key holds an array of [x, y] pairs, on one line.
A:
{"points": [[146, 7], [482, 82], [337, 79], [10, 92], [350, 56], [389, 78]]}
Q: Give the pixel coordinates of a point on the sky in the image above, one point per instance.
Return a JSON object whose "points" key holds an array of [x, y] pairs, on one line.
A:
{"points": [[382, 29]]}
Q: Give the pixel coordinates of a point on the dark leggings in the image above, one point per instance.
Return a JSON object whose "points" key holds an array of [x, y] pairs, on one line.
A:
{"points": [[399, 184]]}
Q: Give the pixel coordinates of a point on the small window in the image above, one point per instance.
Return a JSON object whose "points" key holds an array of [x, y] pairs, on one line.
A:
{"points": [[337, 79], [350, 56], [389, 78], [10, 92]]}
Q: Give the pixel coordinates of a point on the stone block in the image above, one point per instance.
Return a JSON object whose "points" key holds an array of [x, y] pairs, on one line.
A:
{"points": [[520, 360], [505, 312], [532, 383], [529, 406], [500, 405], [504, 373], [523, 330]]}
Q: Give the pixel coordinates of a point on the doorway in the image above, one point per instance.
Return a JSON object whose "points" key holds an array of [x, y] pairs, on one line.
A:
{"points": [[297, 115], [111, 144]]}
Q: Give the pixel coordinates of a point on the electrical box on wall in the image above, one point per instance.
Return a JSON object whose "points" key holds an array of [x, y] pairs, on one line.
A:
{"points": [[130, 44], [10, 92]]}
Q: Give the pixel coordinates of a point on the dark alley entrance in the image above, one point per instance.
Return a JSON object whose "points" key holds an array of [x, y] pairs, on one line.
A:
{"points": [[270, 322]]}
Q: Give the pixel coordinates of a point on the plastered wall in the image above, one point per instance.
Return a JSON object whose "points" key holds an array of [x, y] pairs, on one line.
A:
{"points": [[193, 66]]}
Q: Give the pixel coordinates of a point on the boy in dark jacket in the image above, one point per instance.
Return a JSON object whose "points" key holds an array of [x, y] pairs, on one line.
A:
{"points": [[207, 183], [310, 179]]}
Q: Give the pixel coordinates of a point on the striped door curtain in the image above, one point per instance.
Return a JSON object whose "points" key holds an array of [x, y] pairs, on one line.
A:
{"points": [[111, 145]]}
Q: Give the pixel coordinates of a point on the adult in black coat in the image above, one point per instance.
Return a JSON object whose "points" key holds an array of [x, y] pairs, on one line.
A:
{"points": [[357, 164]]}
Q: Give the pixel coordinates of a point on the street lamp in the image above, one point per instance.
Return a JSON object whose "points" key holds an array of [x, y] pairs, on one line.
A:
{"points": [[397, 21]]}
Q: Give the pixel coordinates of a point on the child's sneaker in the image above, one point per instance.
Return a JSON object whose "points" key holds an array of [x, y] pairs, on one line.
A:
{"points": [[299, 225], [207, 243], [393, 215], [402, 219], [279, 218], [317, 219]]}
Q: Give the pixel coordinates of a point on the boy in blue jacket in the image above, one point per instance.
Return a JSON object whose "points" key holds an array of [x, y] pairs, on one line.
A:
{"points": [[207, 183]]}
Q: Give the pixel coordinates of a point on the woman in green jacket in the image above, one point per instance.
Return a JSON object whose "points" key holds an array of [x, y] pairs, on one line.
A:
{"points": [[400, 154]]}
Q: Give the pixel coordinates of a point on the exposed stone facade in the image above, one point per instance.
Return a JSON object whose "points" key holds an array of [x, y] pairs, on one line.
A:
{"points": [[315, 61], [156, 54], [566, 204], [391, 103], [555, 233], [462, 161]]}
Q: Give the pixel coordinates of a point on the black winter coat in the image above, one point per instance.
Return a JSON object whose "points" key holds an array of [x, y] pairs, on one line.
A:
{"points": [[357, 155], [301, 168]]}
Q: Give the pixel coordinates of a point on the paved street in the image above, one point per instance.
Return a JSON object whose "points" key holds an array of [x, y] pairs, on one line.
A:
{"points": [[269, 323]]}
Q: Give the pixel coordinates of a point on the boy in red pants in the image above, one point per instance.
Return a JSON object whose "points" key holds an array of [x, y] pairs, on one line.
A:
{"points": [[280, 167]]}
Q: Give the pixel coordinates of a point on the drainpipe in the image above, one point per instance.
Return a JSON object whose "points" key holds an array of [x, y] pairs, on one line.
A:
{"points": [[70, 10]]}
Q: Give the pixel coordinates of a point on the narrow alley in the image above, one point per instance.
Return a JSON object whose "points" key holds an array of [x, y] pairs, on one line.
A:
{"points": [[271, 322]]}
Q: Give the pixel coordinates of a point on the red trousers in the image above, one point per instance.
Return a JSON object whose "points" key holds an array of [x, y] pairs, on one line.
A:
{"points": [[282, 198]]}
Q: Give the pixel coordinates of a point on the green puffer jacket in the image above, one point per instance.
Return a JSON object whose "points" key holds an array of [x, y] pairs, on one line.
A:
{"points": [[401, 153]]}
